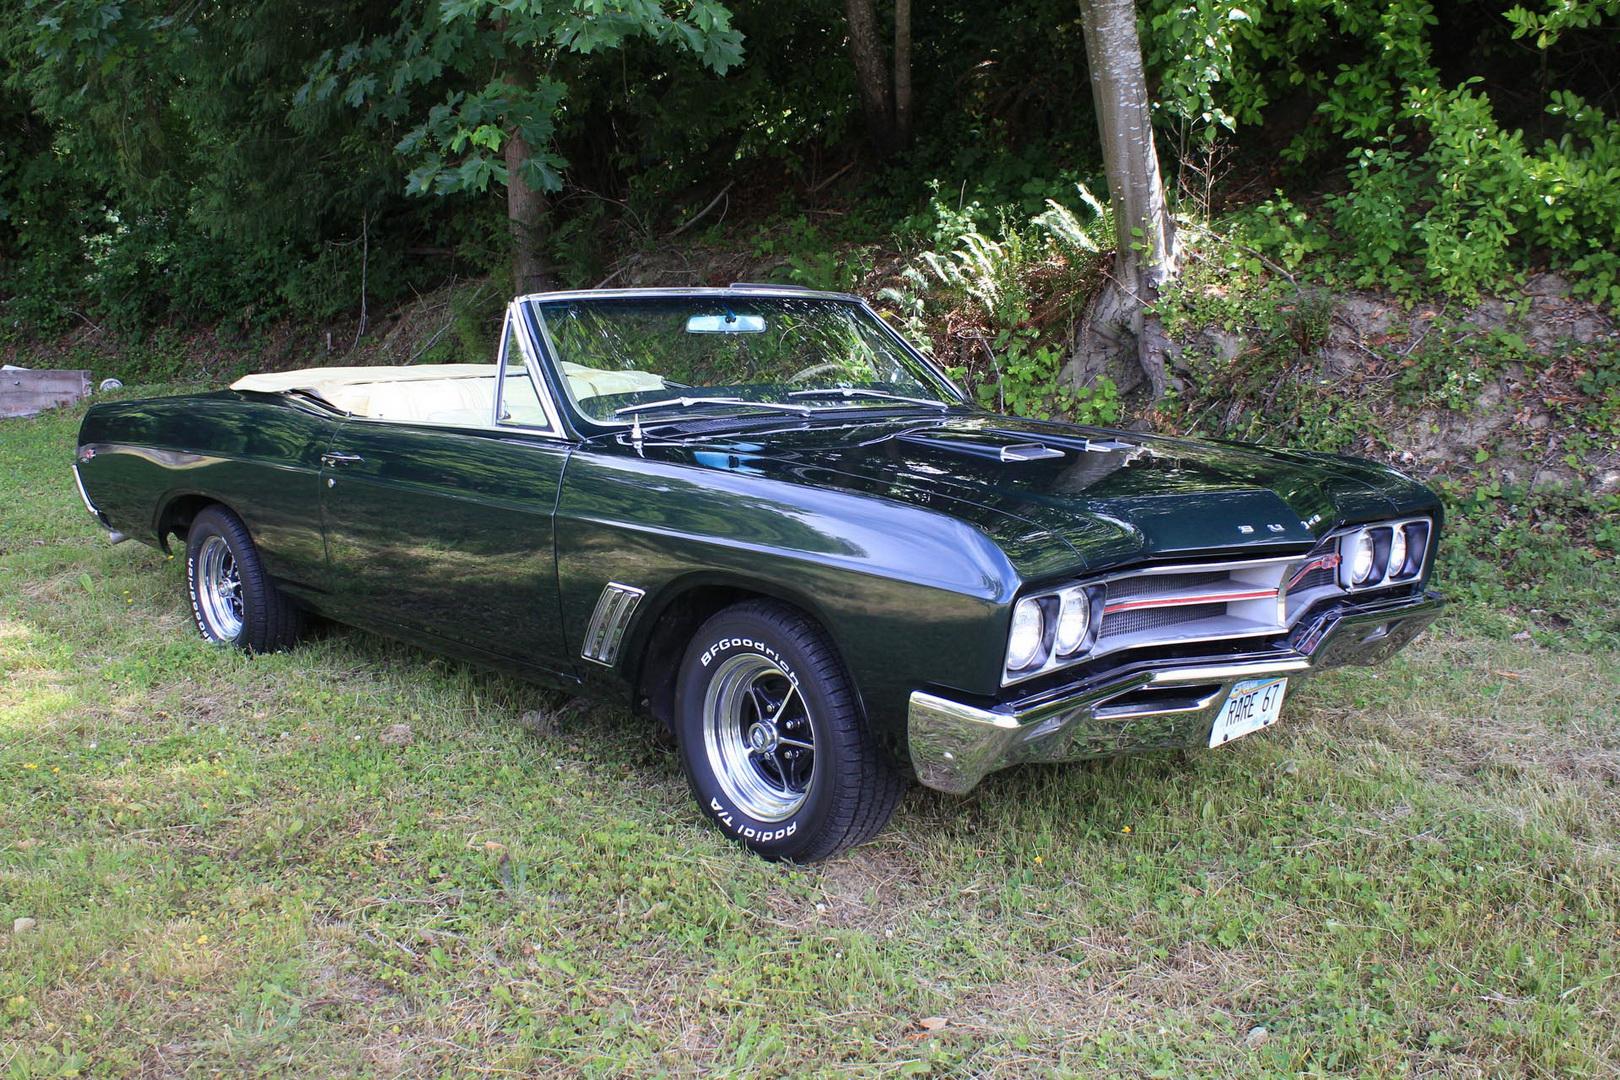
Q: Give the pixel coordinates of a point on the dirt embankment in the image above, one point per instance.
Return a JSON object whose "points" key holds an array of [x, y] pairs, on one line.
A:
{"points": [[1507, 388]]}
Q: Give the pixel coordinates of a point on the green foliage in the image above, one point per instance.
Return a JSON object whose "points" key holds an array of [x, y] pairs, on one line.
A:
{"points": [[990, 272], [1275, 390], [1560, 15], [810, 256], [1441, 194], [174, 164], [1461, 213], [473, 333], [1014, 355], [152, 172], [499, 69], [1027, 382], [1224, 64]]}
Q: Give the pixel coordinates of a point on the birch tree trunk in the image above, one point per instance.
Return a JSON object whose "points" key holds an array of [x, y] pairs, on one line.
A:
{"points": [[871, 75], [1145, 235]]}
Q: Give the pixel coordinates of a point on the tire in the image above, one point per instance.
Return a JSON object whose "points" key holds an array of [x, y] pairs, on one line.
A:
{"points": [[233, 602], [773, 740]]}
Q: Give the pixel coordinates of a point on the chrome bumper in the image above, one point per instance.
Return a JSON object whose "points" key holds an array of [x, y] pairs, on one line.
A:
{"points": [[1153, 705]]}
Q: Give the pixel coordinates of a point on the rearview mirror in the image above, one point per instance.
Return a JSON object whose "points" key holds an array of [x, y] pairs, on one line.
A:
{"points": [[726, 324]]}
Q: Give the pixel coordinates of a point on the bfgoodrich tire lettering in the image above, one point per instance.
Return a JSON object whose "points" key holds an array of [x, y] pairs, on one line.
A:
{"points": [[233, 601], [772, 738]]}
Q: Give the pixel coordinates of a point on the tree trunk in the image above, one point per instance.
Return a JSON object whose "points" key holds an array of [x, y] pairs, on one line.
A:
{"points": [[525, 207], [871, 75], [1145, 235], [526, 218], [902, 73]]}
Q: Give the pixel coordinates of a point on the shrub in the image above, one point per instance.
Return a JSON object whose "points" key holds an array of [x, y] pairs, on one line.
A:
{"points": [[1475, 202]]}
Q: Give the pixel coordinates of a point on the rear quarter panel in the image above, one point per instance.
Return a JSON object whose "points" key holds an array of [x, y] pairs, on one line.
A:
{"points": [[258, 456]]}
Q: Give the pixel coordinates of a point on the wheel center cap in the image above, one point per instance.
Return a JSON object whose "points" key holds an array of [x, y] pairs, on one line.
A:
{"points": [[762, 736]]}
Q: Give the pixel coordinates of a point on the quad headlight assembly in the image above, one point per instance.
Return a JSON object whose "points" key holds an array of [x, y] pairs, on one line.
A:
{"points": [[1374, 556], [1052, 629]]}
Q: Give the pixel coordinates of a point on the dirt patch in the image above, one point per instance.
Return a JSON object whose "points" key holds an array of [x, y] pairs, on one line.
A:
{"points": [[1109, 993], [865, 890]]}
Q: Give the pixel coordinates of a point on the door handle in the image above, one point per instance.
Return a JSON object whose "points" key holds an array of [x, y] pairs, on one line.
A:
{"points": [[336, 459]]}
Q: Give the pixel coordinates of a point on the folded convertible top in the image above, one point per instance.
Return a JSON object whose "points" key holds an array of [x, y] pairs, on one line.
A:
{"points": [[318, 378]]}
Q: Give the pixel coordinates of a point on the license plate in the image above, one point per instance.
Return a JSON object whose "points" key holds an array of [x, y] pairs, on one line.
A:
{"points": [[1252, 705]]}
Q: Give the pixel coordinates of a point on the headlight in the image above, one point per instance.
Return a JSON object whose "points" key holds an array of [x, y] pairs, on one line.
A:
{"points": [[1025, 642], [1363, 555], [1074, 619], [1414, 538], [1397, 554]]}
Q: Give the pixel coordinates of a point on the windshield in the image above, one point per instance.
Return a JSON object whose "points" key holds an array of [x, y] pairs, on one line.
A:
{"points": [[710, 356]]}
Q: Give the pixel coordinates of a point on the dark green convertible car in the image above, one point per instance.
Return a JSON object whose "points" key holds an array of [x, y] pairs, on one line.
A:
{"points": [[763, 518]]}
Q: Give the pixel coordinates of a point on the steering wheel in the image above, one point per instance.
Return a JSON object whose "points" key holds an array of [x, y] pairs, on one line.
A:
{"points": [[813, 370]]}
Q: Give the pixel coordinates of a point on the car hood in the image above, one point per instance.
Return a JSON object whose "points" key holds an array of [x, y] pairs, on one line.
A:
{"points": [[1061, 497]]}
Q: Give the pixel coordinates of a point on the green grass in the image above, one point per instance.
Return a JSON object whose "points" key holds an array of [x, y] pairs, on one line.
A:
{"points": [[1416, 873]]}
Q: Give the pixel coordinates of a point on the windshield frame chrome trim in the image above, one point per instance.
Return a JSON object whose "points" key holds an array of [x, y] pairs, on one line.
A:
{"points": [[694, 292]]}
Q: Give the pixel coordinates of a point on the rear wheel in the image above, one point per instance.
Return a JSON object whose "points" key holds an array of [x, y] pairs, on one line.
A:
{"points": [[232, 600], [772, 738]]}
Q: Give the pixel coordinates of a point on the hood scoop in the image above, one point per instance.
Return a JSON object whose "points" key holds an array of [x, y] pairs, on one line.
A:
{"points": [[975, 445], [1107, 445], [996, 444]]}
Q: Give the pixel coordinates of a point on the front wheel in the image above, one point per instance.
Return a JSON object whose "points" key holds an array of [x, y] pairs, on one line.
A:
{"points": [[233, 601], [772, 738]]}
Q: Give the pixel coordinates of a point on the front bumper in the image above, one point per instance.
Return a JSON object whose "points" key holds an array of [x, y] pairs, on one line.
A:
{"points": [[1150, 705]]}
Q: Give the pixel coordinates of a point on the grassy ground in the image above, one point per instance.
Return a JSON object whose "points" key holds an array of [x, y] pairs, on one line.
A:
{"points": [[231, 872]]}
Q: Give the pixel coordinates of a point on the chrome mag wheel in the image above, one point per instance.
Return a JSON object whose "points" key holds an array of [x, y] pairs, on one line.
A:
{"points": [[758, 736], [219, 589]]}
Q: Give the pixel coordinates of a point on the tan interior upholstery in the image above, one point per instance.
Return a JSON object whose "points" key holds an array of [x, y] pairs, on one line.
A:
{"points": [[587, 382], [462, 394]]}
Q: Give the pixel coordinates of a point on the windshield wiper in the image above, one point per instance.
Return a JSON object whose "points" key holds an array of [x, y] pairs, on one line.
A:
{"points": [[853, 391], [688, 402]]}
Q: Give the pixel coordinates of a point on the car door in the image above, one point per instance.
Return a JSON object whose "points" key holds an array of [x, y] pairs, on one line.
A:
{"points": [[441, 530]]}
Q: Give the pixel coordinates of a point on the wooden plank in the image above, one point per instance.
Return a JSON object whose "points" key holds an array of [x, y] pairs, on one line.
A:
{"points": [[25, 392]]}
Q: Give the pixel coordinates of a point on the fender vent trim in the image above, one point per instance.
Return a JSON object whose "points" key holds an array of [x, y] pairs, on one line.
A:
{"points": [[614, 609]]}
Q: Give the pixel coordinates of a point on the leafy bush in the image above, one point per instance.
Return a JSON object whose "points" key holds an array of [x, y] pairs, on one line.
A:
{"points": [[1474, 203], [1441, 193]]}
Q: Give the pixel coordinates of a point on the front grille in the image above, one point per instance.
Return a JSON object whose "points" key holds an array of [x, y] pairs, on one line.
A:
{"points": [[1320, 577], [1160, 584], [1134, 622]]}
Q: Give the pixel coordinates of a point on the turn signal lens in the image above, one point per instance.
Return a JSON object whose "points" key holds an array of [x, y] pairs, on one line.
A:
{"points": [[1028, 631], [1074, 619]]}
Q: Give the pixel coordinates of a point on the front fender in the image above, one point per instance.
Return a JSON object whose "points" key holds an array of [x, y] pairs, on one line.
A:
{"points": [[909, 595]]}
